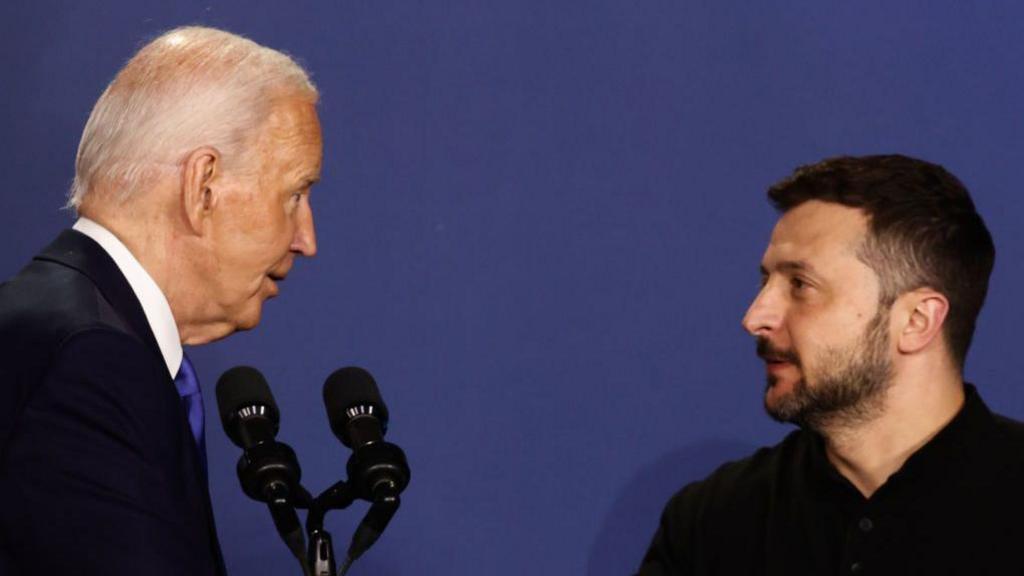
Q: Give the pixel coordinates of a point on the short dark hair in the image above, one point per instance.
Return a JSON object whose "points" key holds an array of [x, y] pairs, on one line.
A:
{"points": [[924, 230]]}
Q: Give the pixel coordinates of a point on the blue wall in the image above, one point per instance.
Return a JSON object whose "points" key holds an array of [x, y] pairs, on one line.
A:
{"points": [[539, 226]]}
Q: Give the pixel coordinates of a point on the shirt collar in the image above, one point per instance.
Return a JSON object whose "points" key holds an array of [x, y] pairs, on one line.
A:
{"points": [[950, 454], [154, 303]]}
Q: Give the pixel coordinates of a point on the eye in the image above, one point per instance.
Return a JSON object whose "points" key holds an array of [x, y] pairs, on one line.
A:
{"points": [[797, 283]]}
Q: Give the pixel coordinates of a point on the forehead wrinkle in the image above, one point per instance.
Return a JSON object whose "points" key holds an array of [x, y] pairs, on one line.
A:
{"points": [[302, 174]]}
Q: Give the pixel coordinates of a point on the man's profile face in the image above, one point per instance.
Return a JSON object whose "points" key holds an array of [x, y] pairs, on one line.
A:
{"points": [[265, 219], [820, 329]]}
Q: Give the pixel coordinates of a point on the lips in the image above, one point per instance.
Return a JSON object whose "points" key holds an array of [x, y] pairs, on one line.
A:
{"points": [[278, 274], [778, 368], [777, 362], [774, 357], [273, 280]]}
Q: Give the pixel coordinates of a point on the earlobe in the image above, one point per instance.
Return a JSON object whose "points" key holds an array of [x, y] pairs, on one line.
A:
{"points": [[199, 191], [927, 315]]}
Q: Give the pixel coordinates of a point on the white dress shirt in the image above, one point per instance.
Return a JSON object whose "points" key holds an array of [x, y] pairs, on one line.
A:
{"points": [[154, 303]]}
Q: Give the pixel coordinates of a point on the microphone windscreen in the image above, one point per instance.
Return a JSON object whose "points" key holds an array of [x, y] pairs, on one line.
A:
{"points": [[243, 386], [349, 387]]}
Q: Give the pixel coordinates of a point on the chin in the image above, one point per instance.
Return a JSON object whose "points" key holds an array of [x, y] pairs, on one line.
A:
{"points": [[250, 318], [248, 323]]}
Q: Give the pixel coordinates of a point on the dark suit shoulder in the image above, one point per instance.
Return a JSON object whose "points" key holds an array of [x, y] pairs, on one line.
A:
{"points": [[47, 301], [40, 309]]}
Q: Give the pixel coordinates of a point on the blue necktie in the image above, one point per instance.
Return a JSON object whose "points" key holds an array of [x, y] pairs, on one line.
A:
{"points": [[192, 398]]}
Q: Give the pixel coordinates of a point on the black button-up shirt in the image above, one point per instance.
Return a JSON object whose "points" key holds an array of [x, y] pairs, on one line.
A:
{"points": [[955, 507]]}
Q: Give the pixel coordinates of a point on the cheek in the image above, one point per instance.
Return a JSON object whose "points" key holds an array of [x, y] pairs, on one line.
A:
{"points": [[246, 257], [808, 335], [263, 232]]}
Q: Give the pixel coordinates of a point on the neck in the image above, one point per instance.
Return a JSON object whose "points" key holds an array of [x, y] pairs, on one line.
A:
{"points": [[164, 249], [914, 410]]}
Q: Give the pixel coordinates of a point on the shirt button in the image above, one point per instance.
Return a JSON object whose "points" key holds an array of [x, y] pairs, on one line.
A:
{"points": [[856, 567], [866, 524]]}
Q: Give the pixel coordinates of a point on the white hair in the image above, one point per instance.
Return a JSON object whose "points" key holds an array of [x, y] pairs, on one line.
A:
{"points": [[188, 88]]}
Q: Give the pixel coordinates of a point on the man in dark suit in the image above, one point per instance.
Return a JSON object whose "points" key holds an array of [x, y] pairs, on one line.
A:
{"points": [[192, 183]]}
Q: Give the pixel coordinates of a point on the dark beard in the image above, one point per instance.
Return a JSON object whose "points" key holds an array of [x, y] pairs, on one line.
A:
{"points": [[850, 389]]}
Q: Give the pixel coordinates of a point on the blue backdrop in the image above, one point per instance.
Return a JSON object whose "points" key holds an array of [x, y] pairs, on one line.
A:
{"points": [[539, 226]]}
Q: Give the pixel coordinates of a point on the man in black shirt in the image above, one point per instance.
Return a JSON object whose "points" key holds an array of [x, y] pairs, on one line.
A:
{"points": [[871, 285]]}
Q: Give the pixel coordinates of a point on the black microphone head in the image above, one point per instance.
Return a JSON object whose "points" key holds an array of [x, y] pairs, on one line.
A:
{"points": [[350, 392], [242, 392]]}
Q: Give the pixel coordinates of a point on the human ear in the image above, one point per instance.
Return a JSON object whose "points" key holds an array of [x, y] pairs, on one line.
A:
{"points": [[199, 195], [926, 313]]}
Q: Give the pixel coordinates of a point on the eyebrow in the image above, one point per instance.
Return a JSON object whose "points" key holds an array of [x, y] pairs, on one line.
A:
{"points": [[791, 266]]}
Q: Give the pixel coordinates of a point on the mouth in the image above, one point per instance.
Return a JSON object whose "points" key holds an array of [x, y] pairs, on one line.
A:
{"points": [[273, 279], [777, 366], [775, 360]]}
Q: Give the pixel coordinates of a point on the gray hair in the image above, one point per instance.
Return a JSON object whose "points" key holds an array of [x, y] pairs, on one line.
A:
{"points": [[190, 87]]}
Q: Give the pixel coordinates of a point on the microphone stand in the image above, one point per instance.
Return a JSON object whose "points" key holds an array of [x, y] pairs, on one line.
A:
{"points": [[282, 506], [320, 558], [321, 549], [377, 473]]}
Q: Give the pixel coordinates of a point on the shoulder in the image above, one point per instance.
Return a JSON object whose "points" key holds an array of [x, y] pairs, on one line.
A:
{"points": [[754, 473], [1012, 430], [41, 307], [989, 449], [996, 437], [742, 486], [52, 298], [729, 506], [49, 313], [1009, 444]]}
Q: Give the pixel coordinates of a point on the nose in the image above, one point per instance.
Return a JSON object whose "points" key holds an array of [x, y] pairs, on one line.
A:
{"points": [[764, 314], [304, 241]]}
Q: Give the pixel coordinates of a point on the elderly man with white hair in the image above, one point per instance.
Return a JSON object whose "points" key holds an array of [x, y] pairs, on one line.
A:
{"points": [[192, 189]]}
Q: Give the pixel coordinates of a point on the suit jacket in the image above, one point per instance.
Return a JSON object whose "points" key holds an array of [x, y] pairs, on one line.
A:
{"points": [[99, 474]]}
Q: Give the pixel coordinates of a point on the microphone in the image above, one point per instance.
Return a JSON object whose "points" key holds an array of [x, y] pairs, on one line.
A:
{"points": [[377, 470], [268, 470], [355, 409], [247, 408]]}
